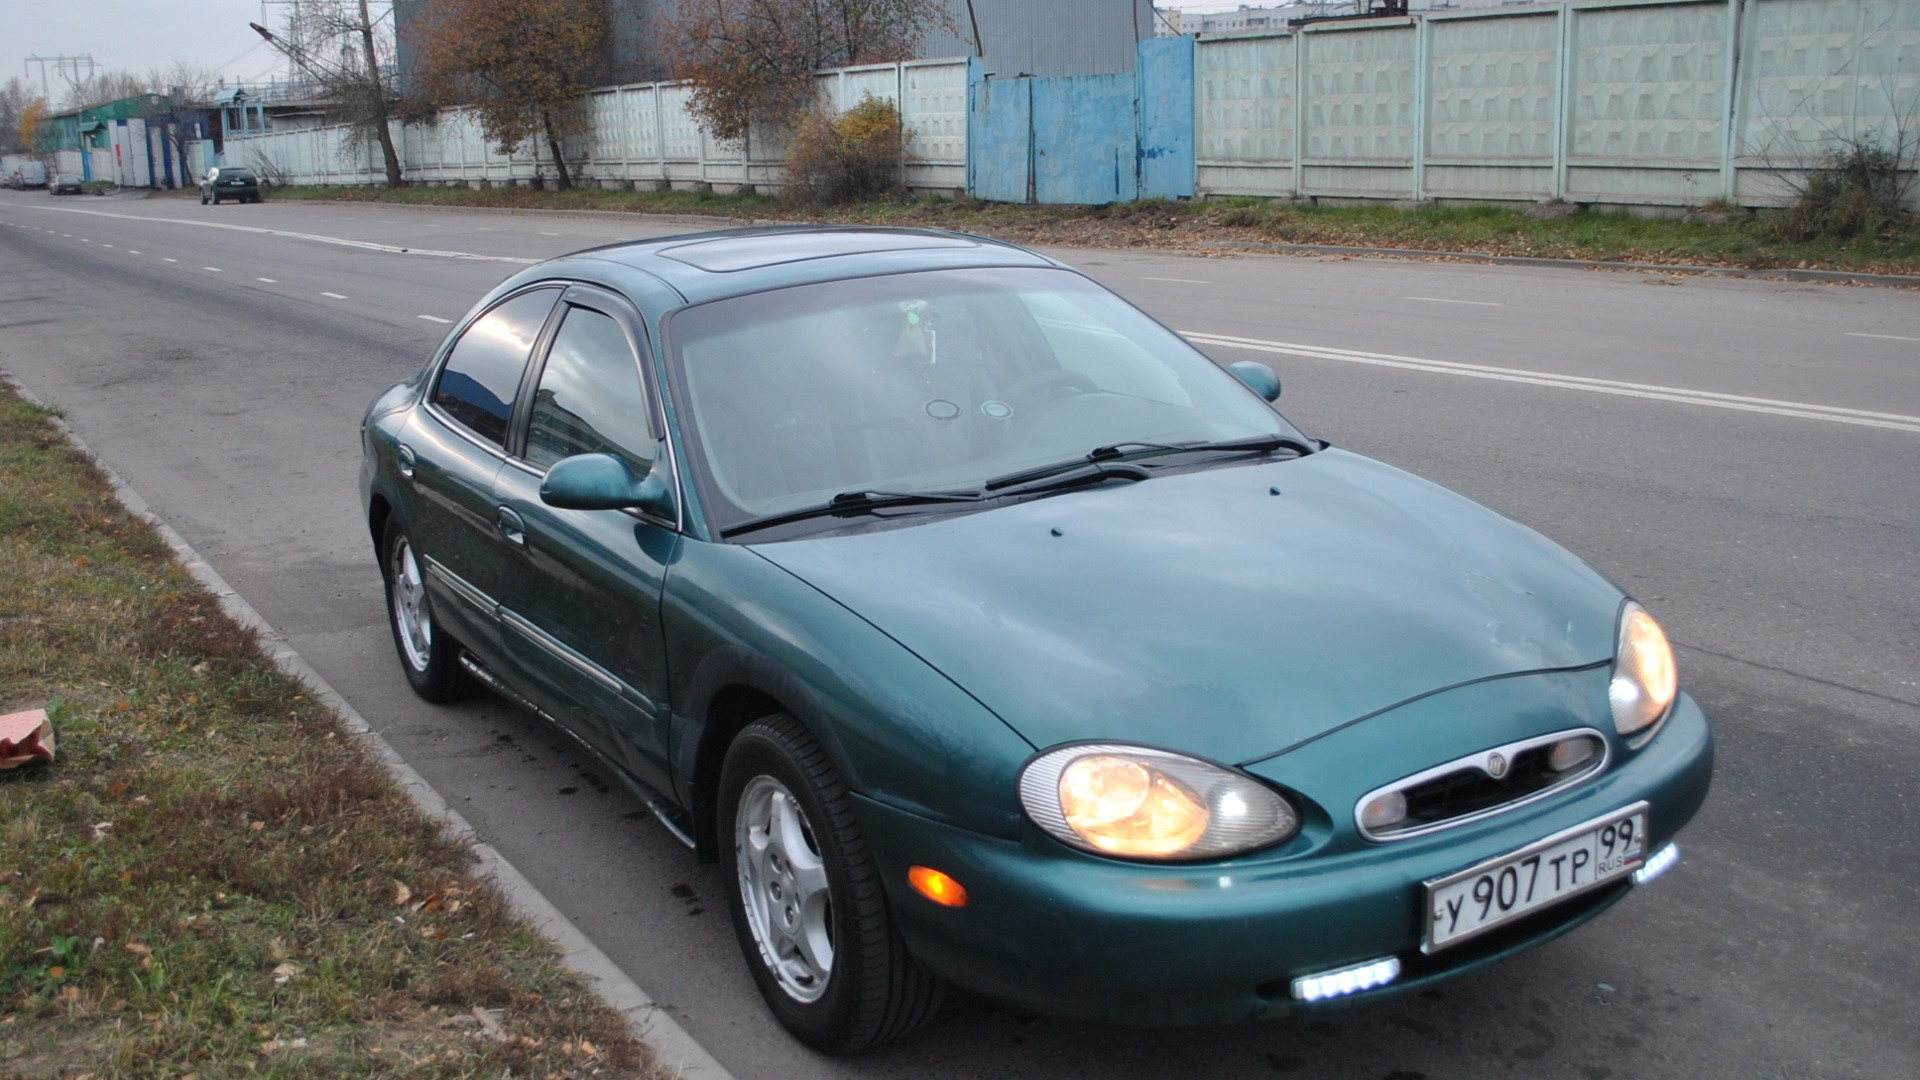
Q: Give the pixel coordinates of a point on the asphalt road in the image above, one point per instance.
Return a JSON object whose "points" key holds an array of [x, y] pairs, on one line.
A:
{"points": [[1732, 451]]}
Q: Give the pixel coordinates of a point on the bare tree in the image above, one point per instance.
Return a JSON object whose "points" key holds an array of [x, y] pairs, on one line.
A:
{"points": [[103, 88], [189, 88], [524, 66], [347, 51], [752, 61], [15, 96]]}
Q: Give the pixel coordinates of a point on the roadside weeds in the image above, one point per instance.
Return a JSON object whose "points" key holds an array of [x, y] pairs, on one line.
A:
{"points": [[1729, 239], [215, 878]]}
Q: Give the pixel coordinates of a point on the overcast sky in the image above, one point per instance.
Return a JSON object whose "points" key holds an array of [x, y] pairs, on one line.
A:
{"points": [[137, 35]]}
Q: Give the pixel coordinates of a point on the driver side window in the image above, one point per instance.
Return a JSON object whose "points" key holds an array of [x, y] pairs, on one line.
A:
{"points": [[590, 400]]}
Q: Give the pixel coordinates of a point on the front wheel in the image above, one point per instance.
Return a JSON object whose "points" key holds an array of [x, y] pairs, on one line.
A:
{"points": [[808, 906], [429, 656]]}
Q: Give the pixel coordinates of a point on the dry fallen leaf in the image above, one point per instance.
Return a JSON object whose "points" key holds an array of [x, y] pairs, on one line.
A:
{"points": [[401, 894], [285, 972]]}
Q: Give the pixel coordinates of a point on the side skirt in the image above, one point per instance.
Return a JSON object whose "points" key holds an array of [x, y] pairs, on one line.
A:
{"points": [[668, 813]]}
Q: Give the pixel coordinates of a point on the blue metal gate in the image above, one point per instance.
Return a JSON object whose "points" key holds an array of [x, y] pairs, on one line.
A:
{"points": [[999, 136], [1085, 139]]}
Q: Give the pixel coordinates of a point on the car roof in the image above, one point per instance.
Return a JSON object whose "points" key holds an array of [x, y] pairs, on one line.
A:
{"points": [[713, 265]]}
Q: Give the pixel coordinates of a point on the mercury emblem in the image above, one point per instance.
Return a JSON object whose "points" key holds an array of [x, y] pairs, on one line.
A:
{"points": [[1496, 766]]}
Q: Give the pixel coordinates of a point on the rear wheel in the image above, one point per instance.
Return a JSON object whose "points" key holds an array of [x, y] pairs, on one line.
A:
{"points": [[807, 903], [216, 198], [429, 656]]}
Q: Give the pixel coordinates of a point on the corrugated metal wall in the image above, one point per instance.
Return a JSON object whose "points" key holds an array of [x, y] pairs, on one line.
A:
{"points": [[1045, 37]]}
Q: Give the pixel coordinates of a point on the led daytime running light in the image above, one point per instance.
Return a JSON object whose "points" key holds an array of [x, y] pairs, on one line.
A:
{"points": [[1332, 984], [1658, 863]]}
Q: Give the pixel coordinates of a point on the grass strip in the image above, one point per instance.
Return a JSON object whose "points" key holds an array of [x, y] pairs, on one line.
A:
{"points": [[214, 879], [1731, 239]]}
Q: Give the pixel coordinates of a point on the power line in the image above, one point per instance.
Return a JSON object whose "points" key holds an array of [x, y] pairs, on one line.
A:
{"points": [[60, 65]]}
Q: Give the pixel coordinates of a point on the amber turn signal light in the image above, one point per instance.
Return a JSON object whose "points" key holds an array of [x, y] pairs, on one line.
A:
{"points": [[937, 886]]}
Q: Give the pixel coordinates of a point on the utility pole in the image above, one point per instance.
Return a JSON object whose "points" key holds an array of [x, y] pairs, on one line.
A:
{"points": [[60, 66], [339, 78]]}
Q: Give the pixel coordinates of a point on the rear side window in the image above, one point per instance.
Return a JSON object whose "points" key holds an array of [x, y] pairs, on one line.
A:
{"points": [[482, 375]]}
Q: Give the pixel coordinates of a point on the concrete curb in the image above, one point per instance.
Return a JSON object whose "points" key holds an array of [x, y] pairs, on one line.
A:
{"points": [[672, 1046], [1831, 277]]}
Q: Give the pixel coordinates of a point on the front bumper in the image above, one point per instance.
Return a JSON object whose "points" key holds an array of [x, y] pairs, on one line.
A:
{"points": [[1061, 932]]}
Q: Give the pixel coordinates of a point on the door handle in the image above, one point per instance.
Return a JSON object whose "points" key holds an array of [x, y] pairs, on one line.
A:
{"points": [[404, 458], [512, 526]]}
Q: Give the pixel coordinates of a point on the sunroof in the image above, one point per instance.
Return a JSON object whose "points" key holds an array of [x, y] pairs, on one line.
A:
{"points": [[771, 249]]}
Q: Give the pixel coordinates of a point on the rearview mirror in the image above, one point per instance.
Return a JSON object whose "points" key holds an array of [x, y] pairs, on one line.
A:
{"points": [[605, 482], [1258, 377]]}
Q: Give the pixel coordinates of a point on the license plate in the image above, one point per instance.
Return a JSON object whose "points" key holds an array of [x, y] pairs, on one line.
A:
{"points": [[1479, 898]]}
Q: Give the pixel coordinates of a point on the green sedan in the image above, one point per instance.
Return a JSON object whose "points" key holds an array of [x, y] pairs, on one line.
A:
{"points": [[988, 633]]}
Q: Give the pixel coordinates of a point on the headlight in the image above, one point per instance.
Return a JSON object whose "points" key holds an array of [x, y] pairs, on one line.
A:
{"points": [[1135, 803], [1644, 677]]}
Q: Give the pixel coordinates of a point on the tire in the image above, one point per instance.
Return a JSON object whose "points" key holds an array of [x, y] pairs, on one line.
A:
{"points": [[429, 656], [808, 906], [203, 198]]}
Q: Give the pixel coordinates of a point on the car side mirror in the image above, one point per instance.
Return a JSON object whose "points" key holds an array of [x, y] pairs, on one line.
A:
{"points": [[605, 482], [1258, 377]]}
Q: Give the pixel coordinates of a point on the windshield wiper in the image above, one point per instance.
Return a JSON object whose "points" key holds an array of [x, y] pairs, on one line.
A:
{"points": [[1126, 452], [852, 503]]}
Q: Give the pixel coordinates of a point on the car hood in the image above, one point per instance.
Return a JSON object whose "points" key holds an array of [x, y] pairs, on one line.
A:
{"points": [[1230, 612]]}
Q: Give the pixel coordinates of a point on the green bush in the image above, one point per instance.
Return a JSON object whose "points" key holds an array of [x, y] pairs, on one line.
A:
{"points": [[846, 158], [1857, 190]]}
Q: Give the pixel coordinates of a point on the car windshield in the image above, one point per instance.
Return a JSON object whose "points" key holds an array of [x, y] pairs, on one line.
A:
{"points": [[936, 381]]}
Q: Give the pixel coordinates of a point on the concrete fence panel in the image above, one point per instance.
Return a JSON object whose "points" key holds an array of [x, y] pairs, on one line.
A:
{"points": [[1490, 97], [1246, 120], [1820, 77], [1649, 99], [1359, 133], [1627, 102]]}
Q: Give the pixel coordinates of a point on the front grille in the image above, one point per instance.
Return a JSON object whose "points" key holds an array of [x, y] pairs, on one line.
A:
{"points": [[1472, 790], [1484, 783]]}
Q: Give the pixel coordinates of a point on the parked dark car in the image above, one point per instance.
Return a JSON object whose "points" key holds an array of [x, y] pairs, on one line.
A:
{"points": [[987, 632], [229, 182], [67, 185]]}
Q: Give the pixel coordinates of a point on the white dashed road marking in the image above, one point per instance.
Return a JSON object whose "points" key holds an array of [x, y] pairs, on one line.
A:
{"points": [[1181, 280], [1440, 300], [1886, 337], [333, 296], [433, 318], [268, 280]]}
